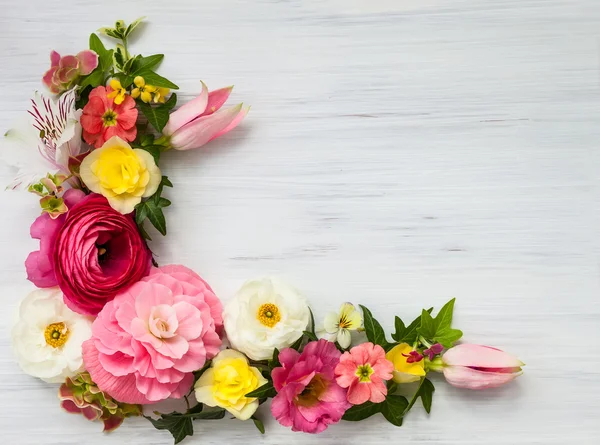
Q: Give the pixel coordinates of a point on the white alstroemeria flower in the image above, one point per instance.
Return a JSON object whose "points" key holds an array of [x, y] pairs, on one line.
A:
{"points": [[263, 315], [337, 325], [47, 338], [43, 142]]}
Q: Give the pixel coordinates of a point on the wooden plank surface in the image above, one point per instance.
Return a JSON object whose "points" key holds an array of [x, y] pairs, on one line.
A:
{"points": [[398, 153]]}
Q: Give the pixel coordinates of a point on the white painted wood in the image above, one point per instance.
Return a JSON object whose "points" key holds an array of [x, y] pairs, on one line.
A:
{"points": [[398, 152]]}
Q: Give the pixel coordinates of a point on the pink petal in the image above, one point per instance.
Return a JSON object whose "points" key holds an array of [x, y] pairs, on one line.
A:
{"points": [[187, 112], [54, 58], [243, 112], [112, 423], [468, 378], [190, 322], [174, 347], [69, 62], [70, 407], [359, 393], [480, 357], [216, 99], [88, 61], [198, 132], [48, 79]]}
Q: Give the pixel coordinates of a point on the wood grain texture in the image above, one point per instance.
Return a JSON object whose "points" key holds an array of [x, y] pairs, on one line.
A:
{"points": [[398, 152]]}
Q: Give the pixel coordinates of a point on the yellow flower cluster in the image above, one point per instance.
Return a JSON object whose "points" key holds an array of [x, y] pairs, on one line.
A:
{"points": [[148, 93]]}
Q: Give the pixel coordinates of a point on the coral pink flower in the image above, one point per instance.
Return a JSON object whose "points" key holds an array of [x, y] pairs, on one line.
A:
{"points": [[98, 252], [102, 118], [65, 70], [479, 367], [40, 263], [147, 342], [308, 398], [202, 119], [363, 371]]}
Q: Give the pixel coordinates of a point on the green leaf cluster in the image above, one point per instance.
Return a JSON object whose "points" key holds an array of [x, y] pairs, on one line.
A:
{"points": [[105, 62], [439, 329], [151, 209], [180, 424], [407, 334], [120, 30], [158, 115], [393, 408]]}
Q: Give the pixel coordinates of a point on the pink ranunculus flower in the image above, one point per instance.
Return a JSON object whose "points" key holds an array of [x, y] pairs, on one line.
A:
{"points": [[479, 367], [364, 371], [40, 263], [147, 342], [65, 70], [98, 252], [102, 118], [202, 119], [308, 398]]}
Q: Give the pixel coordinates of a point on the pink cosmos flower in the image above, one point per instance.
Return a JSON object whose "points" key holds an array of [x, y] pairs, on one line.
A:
{"points": [[65, 70], [102, 118], [98, 252], [202, 119], [479, 367], [40, 263], [147, 342], [364, 371], [308, 398]]}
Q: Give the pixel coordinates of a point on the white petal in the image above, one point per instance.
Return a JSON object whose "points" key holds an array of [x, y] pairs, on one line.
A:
{"points": [[344, 338]]}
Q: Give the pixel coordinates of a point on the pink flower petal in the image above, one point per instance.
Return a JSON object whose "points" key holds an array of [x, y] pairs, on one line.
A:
{"points": [[216, 99], [187, 112], [463, 377], [480, 357], [54, 58], [241, 115], [88, 61]]}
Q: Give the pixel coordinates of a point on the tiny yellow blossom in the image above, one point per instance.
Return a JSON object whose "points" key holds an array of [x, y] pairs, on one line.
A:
{"points": [[160, 95], [226, 383], [118, 92], [405, 372], [121, 174], [142, 90]]}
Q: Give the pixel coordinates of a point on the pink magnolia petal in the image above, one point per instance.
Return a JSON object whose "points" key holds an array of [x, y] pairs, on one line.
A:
{"points": [[480, 357], [88, 61], [241, 115], [216, 99], [187, 112], [463, 377]]}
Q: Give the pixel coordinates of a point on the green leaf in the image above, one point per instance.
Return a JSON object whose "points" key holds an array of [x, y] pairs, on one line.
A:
{"points": [[125, 79], [158, 116], [267, 390], [374, 331], [448, 337], [166, 182], [400, 329], [312, 322], [145, 235], [411, 334], [151, 78], [104, 55], [438, 329], [156, 216], [148, 62], [132, 26], [119, 57], [428, 327], [258, 424], [443, 319], [425, 391], [141, 212], [361, 412], [110, 32], [393, 409], [311, 336], [154, 150], [298, 343], [94, 79], [179, 426], [274, 362]]}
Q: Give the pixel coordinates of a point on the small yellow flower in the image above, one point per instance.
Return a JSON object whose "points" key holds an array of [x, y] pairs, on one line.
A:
{"points": [[405, 372], [160, 95], [121, 174], [118, 92], [142, 90], [226, 383]]}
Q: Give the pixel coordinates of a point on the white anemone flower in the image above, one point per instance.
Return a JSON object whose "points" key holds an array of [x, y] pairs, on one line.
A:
{"points": [[337, 325], [42, 142], [263, 315], [47, 338]]}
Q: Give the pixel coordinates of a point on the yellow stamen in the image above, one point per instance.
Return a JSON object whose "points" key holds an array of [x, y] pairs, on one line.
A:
{"points": [[56, 334], [268, 315], [364, 373]]}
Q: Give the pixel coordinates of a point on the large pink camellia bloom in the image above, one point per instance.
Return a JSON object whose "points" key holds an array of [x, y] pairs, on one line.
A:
{"points": [[202, 119], [98, 252], [479, 367], [308, 398], [40, 263], [147, 342]]}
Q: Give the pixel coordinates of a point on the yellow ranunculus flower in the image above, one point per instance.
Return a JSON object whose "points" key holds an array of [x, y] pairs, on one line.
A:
{"points": [[226, 383], [405, 372], [121, 174]]}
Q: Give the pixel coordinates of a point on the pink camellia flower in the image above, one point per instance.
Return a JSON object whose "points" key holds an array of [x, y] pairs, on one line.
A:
{"points": [[479, 367], [147, 342], [98, 252], [364, 371], [202, 119], [40, 263], [102, 118], [308, 398], [65, 70]]}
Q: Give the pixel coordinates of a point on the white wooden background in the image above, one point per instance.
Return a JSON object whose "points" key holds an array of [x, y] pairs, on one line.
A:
{"points": [[398, 153]]}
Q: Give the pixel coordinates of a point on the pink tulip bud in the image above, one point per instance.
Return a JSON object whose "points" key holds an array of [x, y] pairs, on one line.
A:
{"points": [[479, 367]]}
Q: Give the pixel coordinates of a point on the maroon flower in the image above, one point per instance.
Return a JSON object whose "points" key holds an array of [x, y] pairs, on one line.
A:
{"points": [[98, 253]]}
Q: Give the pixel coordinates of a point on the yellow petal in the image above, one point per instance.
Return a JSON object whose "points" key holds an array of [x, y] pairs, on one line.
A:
{"points": [[115, 84], [135, 93], [146, 96], [119, 98], [139, 81]]}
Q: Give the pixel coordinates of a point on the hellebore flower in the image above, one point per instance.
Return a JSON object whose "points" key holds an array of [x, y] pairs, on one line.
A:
{"points": [[202, 119], [479, 367], [65, 70]]}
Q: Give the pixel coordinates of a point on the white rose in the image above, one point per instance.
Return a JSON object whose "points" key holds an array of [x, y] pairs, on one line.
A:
{"points": [[47, 338], [265, 314]]}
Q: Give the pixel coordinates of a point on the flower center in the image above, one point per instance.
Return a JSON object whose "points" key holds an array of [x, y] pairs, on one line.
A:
{"points": [[344, 322], [102, 254], [56, 334], [268, 315], [109, 118], [312, 393], [364, 373]]}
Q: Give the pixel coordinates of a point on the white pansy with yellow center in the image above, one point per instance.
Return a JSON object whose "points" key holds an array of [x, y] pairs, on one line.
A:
{"points": [[47, 338], [263, 315], [121, 174], [337, 325]]}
